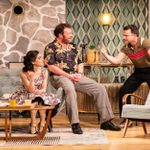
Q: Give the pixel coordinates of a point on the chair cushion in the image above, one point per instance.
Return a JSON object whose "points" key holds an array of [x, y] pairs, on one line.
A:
{"points": [[147, 102], [136, 111]]}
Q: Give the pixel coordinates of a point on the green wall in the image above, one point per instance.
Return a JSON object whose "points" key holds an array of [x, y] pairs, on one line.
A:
{"points": [[83, 16]]}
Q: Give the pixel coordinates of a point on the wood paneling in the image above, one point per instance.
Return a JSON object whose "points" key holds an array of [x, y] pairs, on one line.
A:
{"points": [[86, 103]]}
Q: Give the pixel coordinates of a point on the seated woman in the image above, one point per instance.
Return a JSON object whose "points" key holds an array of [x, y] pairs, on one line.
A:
{"points": [[34, 80]]}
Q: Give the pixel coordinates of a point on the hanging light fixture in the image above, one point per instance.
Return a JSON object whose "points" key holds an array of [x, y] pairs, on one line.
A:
{"points": [[105, 19]]}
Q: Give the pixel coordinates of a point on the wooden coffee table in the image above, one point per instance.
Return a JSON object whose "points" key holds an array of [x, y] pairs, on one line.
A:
{"points": [[8, 122]]}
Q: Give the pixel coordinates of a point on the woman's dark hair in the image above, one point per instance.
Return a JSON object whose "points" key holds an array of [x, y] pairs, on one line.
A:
{"points": [[29, 59], [133, 29], [59, 29]]}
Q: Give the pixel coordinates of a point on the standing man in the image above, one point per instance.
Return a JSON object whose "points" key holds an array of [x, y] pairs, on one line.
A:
{"points": [[66, 69], [138, 51]]}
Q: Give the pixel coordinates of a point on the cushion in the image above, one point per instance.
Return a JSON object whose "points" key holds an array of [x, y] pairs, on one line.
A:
{"points": [[148, 99], [136, 111], [9, 80]]}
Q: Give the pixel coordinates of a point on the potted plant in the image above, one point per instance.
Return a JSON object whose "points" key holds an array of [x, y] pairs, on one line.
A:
{"points": [[92, 55]]}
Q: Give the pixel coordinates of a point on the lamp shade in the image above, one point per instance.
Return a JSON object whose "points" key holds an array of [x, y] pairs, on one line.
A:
{"points": [[105, 19]]}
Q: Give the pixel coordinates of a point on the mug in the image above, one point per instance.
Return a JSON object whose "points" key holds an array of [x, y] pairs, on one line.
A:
{"points": [[12, 102], [27, 102]]}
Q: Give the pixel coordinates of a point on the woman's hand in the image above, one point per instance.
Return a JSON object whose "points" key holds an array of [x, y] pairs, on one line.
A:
{"points": [[38, 92]]}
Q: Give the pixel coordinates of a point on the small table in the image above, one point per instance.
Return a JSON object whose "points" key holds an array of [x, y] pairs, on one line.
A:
{"points": [[8, 122]]}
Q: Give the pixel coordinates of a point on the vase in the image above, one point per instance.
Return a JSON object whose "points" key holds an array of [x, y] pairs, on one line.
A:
{"points": [[93, 56]]}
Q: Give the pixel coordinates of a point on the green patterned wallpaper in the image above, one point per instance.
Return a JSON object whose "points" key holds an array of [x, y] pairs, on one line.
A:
{"points": [[83, 16]]}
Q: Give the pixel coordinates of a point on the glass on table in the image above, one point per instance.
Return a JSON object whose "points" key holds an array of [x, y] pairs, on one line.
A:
{"points": [[12, 102], [27, 102]]}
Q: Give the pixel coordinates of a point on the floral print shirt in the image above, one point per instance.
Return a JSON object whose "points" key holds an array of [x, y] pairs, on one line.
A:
{"points": [[65, 58]]}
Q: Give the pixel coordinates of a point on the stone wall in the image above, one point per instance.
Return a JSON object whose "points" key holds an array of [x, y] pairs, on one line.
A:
{"points": [[26, 25]]}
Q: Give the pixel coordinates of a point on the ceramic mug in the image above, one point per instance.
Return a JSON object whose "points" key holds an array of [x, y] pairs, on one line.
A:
{"points": [[12, 102], [27, 102]]}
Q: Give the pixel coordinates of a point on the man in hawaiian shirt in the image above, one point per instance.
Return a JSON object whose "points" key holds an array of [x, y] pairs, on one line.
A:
{"points": [[66, 70]]}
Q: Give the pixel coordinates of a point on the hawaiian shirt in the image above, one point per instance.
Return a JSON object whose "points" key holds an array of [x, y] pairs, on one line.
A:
{"points": [[67, 60]]}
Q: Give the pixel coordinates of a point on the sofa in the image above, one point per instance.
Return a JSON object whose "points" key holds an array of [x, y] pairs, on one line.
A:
{"points": [[10, 81]]}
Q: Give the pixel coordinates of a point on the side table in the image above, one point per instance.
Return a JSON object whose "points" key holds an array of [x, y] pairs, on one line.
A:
{"points": [[99, 66]]}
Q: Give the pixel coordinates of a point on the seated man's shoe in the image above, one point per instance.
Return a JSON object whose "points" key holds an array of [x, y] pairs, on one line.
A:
{"points": [[76, 129], [110, 126]]}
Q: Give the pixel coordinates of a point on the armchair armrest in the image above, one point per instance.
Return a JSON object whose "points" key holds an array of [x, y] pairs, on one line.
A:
{"points": [[138, 99]]}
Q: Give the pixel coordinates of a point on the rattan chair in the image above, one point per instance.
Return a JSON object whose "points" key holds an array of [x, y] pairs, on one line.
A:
{"points": [[138, 110]]}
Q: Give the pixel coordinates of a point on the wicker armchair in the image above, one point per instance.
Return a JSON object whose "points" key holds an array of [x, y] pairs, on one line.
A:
{"points": [[138, 110]]}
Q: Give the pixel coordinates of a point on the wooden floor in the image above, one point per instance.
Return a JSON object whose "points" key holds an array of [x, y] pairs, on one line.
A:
{"points": [[135, 138]]}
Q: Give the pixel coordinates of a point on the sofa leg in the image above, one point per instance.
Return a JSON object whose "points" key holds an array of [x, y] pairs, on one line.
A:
{"points": [[98, 118]]}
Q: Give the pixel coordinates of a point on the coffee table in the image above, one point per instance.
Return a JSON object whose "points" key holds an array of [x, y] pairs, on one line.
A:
{"points": [[8, 122]]}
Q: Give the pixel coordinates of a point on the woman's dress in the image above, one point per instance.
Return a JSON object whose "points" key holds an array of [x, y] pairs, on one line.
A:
{"points": [[48, 98]]}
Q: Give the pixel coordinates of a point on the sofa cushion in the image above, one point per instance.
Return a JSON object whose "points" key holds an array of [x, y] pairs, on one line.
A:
{"points": [[9, 80]]}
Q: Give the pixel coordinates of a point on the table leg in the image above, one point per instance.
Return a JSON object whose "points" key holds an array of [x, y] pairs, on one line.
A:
{"points": [[6, 126], [41, 134], [99, 74], [6, 137], [10, 124]]}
